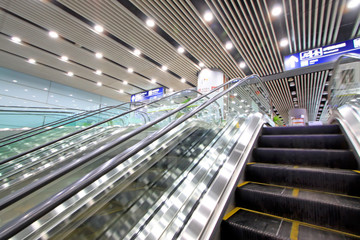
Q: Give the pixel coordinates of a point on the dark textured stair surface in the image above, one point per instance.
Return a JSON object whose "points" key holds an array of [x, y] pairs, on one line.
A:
{"points": [[319, 141], [338, 158], [324, 179], [325, 209], [249, 224], [303, 183], [325, 129]]}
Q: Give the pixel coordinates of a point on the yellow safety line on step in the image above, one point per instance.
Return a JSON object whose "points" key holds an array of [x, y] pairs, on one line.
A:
{"points": [[294, 230], [357, 171], [232, 212], [250, 163], [295, 192], [242, 184], [302, 223], [303, 189], [296, 166]]}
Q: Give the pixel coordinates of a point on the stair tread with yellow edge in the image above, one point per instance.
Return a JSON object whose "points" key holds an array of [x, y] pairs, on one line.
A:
{"points": [[342, 181], [243, 223], [332, 158], [337, 211]]}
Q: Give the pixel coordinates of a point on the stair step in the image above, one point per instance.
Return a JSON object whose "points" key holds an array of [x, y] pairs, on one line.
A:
{"points": [[325, 129], [242, 223], [334, 211], [323, 179], [317, 141], [307, 157]]}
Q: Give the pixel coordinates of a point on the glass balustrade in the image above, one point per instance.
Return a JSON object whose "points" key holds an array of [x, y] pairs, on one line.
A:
{"points": [[158, 185]]}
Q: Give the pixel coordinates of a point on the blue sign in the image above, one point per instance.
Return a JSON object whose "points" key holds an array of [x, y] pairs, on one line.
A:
{"points": [[148, 95], [321, 55]]}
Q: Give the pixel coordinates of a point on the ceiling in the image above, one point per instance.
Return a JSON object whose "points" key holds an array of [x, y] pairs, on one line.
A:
{"points": [[255, 34]]}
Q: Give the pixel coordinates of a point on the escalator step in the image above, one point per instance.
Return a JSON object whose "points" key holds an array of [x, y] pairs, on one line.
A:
{"points": [[245, 224], [323, 179], [325, 129], [327, 141], [334, 211], [306, 157]]}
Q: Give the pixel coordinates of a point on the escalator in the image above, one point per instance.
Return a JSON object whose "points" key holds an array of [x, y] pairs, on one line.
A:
{"points": [[175, 181], [68, 153], [301, 184]]}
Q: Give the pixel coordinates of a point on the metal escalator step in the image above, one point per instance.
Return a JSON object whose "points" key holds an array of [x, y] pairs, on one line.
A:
{"points": [[334, 211], [318, 141], [248, 224], [325, 129], [323, 179], [307, 157]]}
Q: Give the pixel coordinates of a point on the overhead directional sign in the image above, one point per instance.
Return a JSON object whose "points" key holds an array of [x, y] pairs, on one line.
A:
{"points": [[147, 95], [321, 55]]}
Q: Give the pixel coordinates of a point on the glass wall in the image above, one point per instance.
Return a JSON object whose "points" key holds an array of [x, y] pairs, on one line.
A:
{"points": [[24, 92]]}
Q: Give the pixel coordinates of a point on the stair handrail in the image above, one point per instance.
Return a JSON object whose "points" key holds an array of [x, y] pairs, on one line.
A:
{"points": [[87, 128], [22, 221], [46, 127]]}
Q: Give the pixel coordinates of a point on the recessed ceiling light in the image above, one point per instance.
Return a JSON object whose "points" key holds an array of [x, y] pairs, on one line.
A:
{"points": [[121, 91], [183, 80], [64, 58], [295, 99], [53, 34], [150, 23], [125, 82], [353, 4], [46, 89], [208, 16], [130, 70], [321, 105], [323, 99], [228, 45], [70, 74], [292, 84], [201, 64], [276, 11], [293, 93], [284, 42], [325, 93], [181, 50], [153, 80], [14, 80], [171, 90], [16, 39], [31, 60], [164, 68], [98, 28], [98, 72], [242, 65], [99, 84], [137, 52], [98, 55], [26, 90]]}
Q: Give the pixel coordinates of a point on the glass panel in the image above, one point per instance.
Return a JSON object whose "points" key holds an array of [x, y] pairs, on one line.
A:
{"points": [[160, 184], [344, 85], [24, 170]]}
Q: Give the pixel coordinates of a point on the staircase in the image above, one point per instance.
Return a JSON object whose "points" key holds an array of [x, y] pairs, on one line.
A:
{"points": [[301, 185]]}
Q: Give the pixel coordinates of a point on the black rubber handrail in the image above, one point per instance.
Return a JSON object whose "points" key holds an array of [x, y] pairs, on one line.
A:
{"points": [[66, 121], [22, 221], [85, 129]]}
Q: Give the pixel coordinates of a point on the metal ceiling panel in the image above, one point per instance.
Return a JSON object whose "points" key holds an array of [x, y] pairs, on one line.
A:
{"points": [[250, 26]]}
